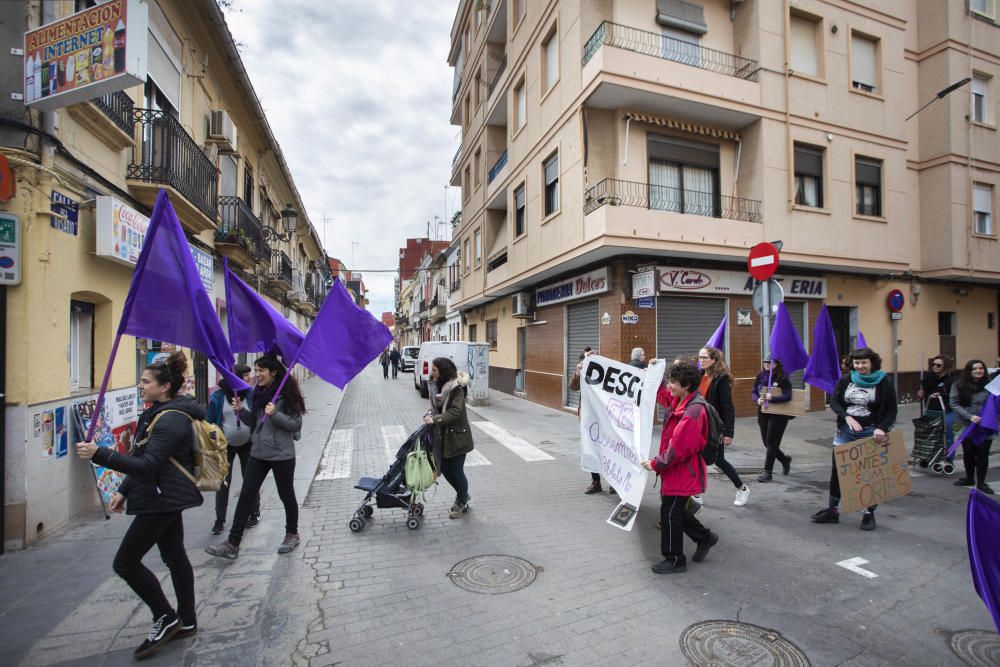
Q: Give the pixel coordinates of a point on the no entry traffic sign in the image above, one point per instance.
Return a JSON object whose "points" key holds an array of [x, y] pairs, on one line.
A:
{"points": [[763, 261]]}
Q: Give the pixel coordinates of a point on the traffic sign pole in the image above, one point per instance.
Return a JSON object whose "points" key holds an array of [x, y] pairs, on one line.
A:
{"points": [[762, 264], [766, 318]]}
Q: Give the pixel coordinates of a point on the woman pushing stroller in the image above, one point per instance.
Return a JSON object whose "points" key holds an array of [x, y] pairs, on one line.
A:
{"points": [[452, 437]]}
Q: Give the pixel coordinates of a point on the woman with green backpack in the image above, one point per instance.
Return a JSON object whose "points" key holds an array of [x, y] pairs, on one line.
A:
{"points": [[452, 437]]}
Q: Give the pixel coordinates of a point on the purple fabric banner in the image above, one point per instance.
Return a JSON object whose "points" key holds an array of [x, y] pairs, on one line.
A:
{"points": [[718, 339], [823, 368], [982, 532], [861, 341], [254, 325], [786, 346]]}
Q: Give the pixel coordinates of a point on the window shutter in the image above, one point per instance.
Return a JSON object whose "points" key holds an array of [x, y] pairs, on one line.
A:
{"points": [[808, 161], [863, 60], [868, 172], [163, 72], [552, 170], [803, 39], [551, 61], [519, 197], [982, 198]]}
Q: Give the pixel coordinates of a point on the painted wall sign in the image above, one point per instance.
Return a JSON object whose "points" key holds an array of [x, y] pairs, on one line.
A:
{"points": [[595, 282], [720, 281]]}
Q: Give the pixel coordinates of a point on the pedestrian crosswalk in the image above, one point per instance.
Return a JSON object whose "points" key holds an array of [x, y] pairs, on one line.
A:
{"points": [[337, 455], [394, 436], [518, 446]]}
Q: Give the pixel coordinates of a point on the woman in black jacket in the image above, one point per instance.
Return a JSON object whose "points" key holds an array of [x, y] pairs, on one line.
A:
{"points": [[772, 427], [156, 492], [716, 388], [452, 436], [865, 404]]}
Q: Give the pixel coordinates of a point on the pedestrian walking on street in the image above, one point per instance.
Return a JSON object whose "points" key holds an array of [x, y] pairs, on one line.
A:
{"points": [[452, 437], [221, 413], [865, 404], [716, 387], [772, 426], [394, 360], [638, 358], [384, 360], [935, 392], [967, 397], [155, 492], [274, 422], [574, 385], [681, 469]]}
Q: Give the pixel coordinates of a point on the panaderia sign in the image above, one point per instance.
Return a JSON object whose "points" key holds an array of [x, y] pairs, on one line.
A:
{"points": [[718, 281]]}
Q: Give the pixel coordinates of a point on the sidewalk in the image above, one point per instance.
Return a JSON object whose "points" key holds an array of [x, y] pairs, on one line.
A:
{"points": [[60, 601]]}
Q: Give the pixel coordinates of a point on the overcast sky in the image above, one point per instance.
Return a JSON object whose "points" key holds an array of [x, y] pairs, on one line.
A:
{"points": [[358, 95]]}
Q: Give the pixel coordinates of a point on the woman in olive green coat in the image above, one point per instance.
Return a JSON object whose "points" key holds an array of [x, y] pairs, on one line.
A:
{"points": [[452, 437]]}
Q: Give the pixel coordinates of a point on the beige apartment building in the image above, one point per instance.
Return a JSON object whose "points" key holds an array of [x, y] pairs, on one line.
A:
{"points": [[620, 158], [91, 170]]}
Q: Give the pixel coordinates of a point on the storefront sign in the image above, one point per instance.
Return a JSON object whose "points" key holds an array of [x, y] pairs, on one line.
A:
{"points": [[630, 317], [594, 282], [94, 52], [644, 284], [10, 249], [206, 268], [718, 281], [646, 302], [66, 212]]}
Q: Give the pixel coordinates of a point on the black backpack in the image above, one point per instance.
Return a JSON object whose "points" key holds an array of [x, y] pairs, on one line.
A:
{"points": [[711, 450]]}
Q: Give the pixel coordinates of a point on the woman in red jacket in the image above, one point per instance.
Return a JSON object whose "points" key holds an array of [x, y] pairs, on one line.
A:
{"points": [[681, 469]]}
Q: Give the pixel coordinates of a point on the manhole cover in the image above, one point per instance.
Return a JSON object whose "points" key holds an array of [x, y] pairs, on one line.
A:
{"points": [[493, 574], [976, 647], [724, 643], [740, 470]]}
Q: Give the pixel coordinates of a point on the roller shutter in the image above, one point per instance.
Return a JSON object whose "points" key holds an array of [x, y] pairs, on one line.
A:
{"points": [[683, 324], [583, 328]]}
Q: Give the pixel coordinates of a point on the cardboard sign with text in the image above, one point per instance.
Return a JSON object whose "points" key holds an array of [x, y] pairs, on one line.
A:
{"points": [[870, 473], [793, 408]]}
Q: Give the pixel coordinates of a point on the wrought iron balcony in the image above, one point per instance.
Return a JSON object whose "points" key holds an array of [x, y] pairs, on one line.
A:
{"points": [[495, 74], [120, 108], [614, 192], [497, 259], [497, 167], [660, 46], [281, 268], [454, 160], [456, 285], [165, 153], [241, 227]]}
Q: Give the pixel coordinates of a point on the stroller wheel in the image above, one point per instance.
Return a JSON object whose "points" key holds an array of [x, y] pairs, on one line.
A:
{"points": [[413, 523], [418, 509], [948, 468], [357, 524], [369, 510], [937, 467]]}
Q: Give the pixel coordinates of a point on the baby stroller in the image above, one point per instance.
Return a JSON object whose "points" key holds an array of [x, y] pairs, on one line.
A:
{"points": [[930, 443], [390, 491]]}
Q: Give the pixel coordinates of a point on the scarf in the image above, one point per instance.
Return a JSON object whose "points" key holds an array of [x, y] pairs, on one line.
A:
{"points": [[439, 399], [867, 381], [261, 397]]}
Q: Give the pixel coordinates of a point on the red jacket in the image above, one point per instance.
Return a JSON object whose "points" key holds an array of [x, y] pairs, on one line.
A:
{"points": [[679, 464]]}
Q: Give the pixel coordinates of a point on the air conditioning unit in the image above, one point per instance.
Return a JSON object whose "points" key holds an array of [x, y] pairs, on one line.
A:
{"points": [[222, 130], [523, 305]]}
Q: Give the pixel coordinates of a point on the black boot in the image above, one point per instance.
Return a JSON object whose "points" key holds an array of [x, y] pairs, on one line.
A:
{"points": [[765, 477]]}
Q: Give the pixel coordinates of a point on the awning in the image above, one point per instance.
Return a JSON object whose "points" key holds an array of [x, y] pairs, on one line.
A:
{"points": [[684, 126]]}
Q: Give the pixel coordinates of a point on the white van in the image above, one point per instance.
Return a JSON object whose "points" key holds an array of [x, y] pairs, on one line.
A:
{"points": [[472, 358]]}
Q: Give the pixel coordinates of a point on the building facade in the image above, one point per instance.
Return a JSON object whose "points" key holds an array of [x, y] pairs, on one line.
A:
{"points": [[619, 159]]}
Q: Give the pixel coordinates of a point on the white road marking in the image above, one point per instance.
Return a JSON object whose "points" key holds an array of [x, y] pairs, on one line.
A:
{"points": [[520, 447], [336, 461], [853, 564], [476, 458], [393, 438]]}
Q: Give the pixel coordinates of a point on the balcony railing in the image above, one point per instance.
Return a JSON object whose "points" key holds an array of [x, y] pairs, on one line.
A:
{"points": [[281, 267], [310, 287], [164, 153], [659, 46], [497, 259], [241, 227], [495, 75], [456, 285], [497, 167], [120, 108], [423, 306], [454, 160], [615, 192]]}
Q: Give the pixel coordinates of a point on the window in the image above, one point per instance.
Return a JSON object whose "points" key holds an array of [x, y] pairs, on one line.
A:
{"points": [[551, 172], [550, 59], [518, 11], [520, 105], [864, 63], [868, 186], [979, 106], [982, 207], [466, 184], [479, 247], [681, 46], [477, 88], [467, 254], [946, 323], [248, 185], [472, 333], [985, 8], [519, 228], [478, 162], [683, 176], [808, 176], [81, 345], [479, 18], [491, 333], [802, 35]]}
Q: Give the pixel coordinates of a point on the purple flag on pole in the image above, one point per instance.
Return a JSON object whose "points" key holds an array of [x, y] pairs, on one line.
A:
{"points": [[861, 341], [823, 368], [986, 428], [982, 531], [343, 339], [254, 325], [718, 339], [786, 346], [167, 300]]}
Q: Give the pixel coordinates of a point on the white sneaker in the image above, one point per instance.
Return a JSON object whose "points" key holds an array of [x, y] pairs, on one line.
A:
{"points": [[742, 496]]}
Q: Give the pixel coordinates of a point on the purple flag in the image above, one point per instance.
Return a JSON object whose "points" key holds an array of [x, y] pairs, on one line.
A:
{"points": [[861, 341], [984, 430], [254, 325], [167, 300], [343, 339], [982, 532], [823, 369], [718, 339], [786, 346]]}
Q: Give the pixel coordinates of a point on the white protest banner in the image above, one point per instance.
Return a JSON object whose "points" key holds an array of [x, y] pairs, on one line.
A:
{"points": [[994, 386], [616, 425]]}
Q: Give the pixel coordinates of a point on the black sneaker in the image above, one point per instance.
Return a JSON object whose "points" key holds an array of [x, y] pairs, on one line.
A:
{"points": [[704, 546], [786, 466], [187, 630], [253, 520], [224, 550], [964, 481], [827, 515], [218, 527], [669, 566], [868, 521], [289, 543], [985, 488], [164, 629], [764, 477]]}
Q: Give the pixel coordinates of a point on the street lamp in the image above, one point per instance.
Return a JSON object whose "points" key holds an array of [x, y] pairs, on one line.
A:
{"points": [[950, 89], [289, 222]]}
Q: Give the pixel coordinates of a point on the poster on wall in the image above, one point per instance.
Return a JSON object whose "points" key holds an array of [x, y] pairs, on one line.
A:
{"points": [[48, 434], [61, 433], [115, 429]]}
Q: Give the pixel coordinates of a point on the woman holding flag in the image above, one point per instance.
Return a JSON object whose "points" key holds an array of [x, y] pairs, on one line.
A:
{"points": [[772, 426], [968, 396]]}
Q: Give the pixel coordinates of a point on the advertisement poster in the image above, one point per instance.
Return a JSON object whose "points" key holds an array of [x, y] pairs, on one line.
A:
{"points": [[115, 429], [121, 231], [61, 433], [48, 434]]}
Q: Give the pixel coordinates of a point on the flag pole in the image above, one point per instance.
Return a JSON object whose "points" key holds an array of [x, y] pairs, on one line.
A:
{"points": [[99, 404], [225, 275]]}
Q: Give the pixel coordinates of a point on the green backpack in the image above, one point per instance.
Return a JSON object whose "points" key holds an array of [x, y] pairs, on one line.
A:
{"points": [[419, 471]]}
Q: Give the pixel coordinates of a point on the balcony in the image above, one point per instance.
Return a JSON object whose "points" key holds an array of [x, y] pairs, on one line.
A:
{"points": [[659, 46], [111, 118], [279, 276], [495, 72], [496, 260], [239, 236], [436, 310], [402, 321], [165, 156], [497, 167], [456, 285], [614, 192], [454, 160], [120, 110]]}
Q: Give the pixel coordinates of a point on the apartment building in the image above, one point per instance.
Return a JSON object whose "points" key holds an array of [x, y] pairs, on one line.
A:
{"points": [[619, 158], [87, 174]]}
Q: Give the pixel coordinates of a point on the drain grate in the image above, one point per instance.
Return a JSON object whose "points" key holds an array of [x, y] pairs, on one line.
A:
{"points": [[977, 648], [493, 574], [725, 643], [740, 470]]}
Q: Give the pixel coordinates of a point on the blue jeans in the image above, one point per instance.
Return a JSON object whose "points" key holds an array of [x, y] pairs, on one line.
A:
{"points": [[844, 436]]}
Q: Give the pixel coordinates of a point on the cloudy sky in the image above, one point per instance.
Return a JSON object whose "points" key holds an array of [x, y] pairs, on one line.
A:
{"points": [[358, 95]]}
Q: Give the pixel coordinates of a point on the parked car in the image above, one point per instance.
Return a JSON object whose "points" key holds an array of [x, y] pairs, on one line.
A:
{"points": [[472, 358], [408, 358]]}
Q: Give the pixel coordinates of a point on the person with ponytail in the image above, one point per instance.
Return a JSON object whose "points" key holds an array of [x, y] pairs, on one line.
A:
{"points": [[865, 404], [967, 397], [155, 492], [716, 387], [274, 421]]}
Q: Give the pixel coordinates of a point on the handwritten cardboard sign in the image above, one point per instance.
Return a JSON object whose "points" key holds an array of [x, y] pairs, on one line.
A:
{"points": [[870, 473], [796, 407]]}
